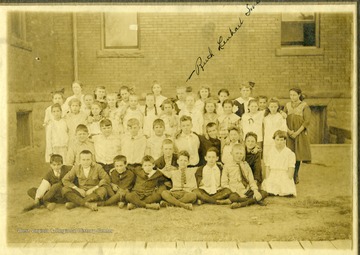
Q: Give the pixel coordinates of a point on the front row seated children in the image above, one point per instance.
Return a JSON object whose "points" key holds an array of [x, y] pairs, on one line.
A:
{"points": [[121, 181], [107, 145], [238, 177], [208, 180], [280, 168], [49, 191], [91, 183], [81, 143], [183, 184], [149, 184]]}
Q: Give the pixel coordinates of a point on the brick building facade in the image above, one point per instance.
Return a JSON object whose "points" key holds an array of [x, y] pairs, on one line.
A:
{"points": [[61, 47]]}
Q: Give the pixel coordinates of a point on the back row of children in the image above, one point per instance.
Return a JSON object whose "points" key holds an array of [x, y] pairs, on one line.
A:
{"points": [[168, 181], [160, 118]]}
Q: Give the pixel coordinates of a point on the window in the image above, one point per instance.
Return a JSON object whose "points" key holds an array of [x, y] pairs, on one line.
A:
{"points": [[17, 30], [24, 130], [300, 34], [120, 35]]}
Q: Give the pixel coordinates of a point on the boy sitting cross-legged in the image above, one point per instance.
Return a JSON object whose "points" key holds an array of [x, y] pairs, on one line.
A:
{"points": [[208, 180], [49, 191], [92, 181], [183, 183], [149, 184], [122, 180]]}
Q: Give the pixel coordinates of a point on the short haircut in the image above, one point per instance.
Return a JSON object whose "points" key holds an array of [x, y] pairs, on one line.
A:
{"points": [[74, 101], [158, 122], [167, 101], [224, 91], [85, 152], [81, 127], [228, 101], [99, 87], [56, 106], [262, 97], [147, 158], [121, 158], [105, 123], [89, 95], [167, 141], [185, 118], [214, 150], [210, 125], [184, 153], [98, 104], [56, 158], [134, 96], [124, 88], [253, 101], [133, 122], [280, 134], [238, 146], [77, 82], [235, 129], [251, 134]]}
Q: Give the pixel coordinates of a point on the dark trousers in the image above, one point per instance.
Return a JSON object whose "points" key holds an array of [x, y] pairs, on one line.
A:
{"points": [[297, 168], [107, 167], [141, 200], [118, 197], [248, 200], [211, 199], [74, 196], [52, 195]]}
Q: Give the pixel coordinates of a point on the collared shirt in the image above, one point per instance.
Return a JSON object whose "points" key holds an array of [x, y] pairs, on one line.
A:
{"points": [[144, 184], [133, 148], [236, 181], [175, 177], [86, 171], [253, 123], [73, 153], [124, 180], [210, 179], [191, 144], [154, 146], [106, 148]]}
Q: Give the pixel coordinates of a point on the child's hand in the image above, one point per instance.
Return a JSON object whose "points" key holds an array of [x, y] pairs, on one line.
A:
{"points": [[81, 191], [114, 187], [256, 149], [235, 108], [283, 114], [257, 195], [88, 192]]}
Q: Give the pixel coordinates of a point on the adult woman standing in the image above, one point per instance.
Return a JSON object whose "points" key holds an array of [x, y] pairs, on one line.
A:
{"points": [[298, 120]]}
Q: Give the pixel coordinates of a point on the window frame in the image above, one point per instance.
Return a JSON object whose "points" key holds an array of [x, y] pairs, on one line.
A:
{"points": [[19, 42]]}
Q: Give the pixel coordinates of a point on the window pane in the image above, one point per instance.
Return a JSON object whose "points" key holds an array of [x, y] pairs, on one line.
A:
{"points": [[298, 29], [121, 30], [23, 129]]}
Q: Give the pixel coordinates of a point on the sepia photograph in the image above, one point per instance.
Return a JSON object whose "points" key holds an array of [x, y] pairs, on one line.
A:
{"points": [[186, 128]]}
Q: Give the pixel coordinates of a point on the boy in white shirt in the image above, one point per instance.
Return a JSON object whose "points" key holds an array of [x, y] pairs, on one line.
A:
{"points": [[154, 143]]}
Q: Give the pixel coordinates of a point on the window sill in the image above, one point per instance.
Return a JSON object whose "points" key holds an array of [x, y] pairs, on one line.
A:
{"points": [[16, 42], [299, 51], [125, 53]]}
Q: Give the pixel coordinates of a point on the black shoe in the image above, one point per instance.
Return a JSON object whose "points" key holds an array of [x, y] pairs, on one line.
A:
{"points": [[261, 203], [296, 180]]}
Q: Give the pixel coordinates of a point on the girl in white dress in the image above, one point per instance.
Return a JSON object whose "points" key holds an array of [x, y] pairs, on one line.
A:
{"points": [[273, 121], [280, 168]]}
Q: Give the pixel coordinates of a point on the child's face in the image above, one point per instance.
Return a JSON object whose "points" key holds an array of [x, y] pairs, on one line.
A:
{"points": [[210, 107], [76, 88], [85, 160], [133, 101], [106, 130], [211, 158], [186, 126], [75, 108], [82, 136], [238, 154], [58, 99], [245, 92], [134, 130], [100, 93], [95, 110], [204, 93], [159, 130], [262, 103], [183, 161], [273, 107], [167, 108], [111, 100], [56, 112], [253, 107], [147, 166], [181, 94], [227, 108], [120, 166], [190, 102], [88, 100], [250, 142], [223, 132], [156, 89], [234, 136], [223, 96], [212, 132], [56, 166], [280, 142], [124, 95], [150, 101], [168, 150]]}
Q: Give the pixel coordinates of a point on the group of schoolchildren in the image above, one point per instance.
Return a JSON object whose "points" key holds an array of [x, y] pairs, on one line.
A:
{"points": [[107, 149]]}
